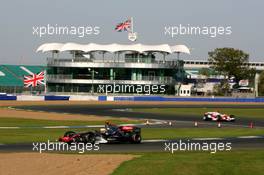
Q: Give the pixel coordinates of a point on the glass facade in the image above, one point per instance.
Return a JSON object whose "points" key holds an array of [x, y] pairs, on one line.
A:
{"points": [[88, 75]]}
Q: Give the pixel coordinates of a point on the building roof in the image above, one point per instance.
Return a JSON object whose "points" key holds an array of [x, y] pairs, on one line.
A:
{"points": [[60, 47]]}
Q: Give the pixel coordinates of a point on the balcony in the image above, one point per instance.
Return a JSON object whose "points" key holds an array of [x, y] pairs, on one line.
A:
{"points": [[115, 63], [62, 78]]}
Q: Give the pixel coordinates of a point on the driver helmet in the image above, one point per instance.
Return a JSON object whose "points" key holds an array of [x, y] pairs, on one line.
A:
{"points": [[102, 130]]}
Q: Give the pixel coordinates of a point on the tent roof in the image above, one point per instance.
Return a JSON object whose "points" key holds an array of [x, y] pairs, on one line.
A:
{"points": [[112, 47]]}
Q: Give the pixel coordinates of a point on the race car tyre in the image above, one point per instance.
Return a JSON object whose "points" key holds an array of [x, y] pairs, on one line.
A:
{"points": [[219, 118], [205, 118], [69, 133], [75, 140], [90, 137], [136, 138]]}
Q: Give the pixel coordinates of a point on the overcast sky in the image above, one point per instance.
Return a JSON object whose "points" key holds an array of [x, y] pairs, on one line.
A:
{"points": [[18, 44]]}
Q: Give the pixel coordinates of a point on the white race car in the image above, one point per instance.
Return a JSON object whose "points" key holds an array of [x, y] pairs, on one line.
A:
{"points": [[216, 116]]}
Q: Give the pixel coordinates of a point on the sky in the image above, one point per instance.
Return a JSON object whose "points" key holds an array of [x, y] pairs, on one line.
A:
{"points": [[17, 19]]}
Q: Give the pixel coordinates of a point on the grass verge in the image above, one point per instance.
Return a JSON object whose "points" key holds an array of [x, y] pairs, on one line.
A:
{"points": [[20, 122], [242, 162]]}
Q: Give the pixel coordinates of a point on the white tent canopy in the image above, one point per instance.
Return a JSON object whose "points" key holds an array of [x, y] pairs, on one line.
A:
{"points": [[50, 47], [60, 47], [180, 49]]}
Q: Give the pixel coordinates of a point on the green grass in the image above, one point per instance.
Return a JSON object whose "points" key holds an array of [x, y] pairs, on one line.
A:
{"points": [[257, 113], [18, 122], [243, 162], [29, 135]]}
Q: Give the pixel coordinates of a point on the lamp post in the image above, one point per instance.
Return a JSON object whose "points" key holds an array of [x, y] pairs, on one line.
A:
{"points": [[256, 84], [93, 72]]}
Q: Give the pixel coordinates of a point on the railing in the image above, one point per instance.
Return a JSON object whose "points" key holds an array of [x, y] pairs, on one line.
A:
{"points": [[157, 78], [86, 60], [59, 76], [165, 79]]}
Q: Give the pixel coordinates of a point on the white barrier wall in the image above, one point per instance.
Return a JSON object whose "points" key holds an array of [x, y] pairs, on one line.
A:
{"points": [[110, 98], [42, 98], [83, 98], [29, 98]]}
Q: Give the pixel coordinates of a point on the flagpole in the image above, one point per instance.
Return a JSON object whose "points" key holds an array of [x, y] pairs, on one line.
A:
{"points": [[45, 82], [131, 35], [132, 25]]}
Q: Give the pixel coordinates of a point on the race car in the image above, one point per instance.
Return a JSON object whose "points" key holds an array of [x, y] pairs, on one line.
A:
{"points": [[109, 134], [216, 116]]}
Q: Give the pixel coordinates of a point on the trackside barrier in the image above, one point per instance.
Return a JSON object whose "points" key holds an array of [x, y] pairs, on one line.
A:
{"points": [[150, 98], [8, 97], [159, 98], [123, 98], [53, 97], [83, 98], [134, 98], [30, 98], [102, 98]]}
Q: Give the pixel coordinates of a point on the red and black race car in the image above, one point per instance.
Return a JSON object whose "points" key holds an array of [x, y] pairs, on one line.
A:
{"points": [[216, 116], [110, 133]]}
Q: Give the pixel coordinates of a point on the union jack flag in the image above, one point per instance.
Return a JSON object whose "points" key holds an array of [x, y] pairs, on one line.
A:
{"points": [[125, 26], [34, 80]]}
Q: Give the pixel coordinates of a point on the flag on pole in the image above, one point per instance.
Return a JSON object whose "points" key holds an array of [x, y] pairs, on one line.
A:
{"points": [[127, 26], [34, 80], [124, 26]]}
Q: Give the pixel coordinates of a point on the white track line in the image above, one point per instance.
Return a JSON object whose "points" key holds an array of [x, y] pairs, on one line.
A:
{"points": [[152, 141], [86, 126], [207, 138], [94, 126], [9, 127], [10, 107], [54, 127], [250, 137]]}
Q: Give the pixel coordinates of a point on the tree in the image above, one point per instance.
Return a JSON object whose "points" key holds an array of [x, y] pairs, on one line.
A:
{"points": [[205, 72], [221, 89], [231, 62], [261, 84]]}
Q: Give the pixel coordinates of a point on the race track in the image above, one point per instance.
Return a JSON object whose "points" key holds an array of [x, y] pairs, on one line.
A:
{"points": [[125, 111], [149, 145]]}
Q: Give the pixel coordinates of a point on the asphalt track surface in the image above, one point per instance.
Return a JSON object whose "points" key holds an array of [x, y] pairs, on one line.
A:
{"points": [[125, 111], [151, 145], [148, 146]]}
